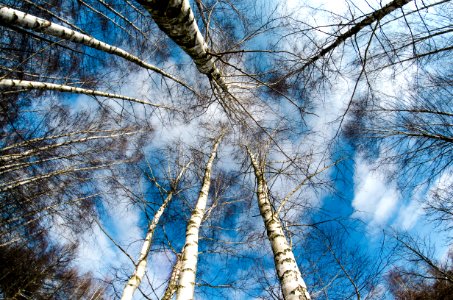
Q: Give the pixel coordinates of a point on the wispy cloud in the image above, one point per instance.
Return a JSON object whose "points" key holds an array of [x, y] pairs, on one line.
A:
{"points": [[375, 200]]}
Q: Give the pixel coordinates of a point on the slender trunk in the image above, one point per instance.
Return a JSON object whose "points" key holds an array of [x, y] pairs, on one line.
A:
{"points": [[52, 137], [15, 17], [341, 38], [37, 85], [24, 181], [186, 286], [38, 150], [291, 282], [23, 165], [140, 268], [134, 281], [172, 283]]}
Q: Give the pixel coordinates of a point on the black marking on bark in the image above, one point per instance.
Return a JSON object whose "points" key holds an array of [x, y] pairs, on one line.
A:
{"points": [[286, 273], [188, 269], [275, 235], [173, 12], [282, 253]]}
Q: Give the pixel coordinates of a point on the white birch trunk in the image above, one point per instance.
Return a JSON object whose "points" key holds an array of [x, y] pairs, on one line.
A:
{"points": [[24, 181], [140, 268], [186, 286], [33, 151], [172, 283], [37, 85], [52, 137], [291, 282], [15, 17], [176, 19]]}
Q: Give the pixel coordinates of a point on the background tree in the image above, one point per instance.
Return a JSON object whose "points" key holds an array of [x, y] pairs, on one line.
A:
{"points": [[424, 277], [274, 75]]}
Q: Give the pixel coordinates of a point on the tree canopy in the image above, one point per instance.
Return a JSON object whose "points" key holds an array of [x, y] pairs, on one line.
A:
{"points": [[160, 149]]}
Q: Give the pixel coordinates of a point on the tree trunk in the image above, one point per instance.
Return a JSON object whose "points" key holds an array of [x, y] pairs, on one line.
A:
{"points": [[291, 282], [140, 267], [36, 85], [15, 17], [172, 283], [177, 20], [186, 285], [375, 16]]}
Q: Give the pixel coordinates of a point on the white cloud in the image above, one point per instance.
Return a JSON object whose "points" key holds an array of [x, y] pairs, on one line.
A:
{"points": [[375, 200], [96, 254], [409, 214]]}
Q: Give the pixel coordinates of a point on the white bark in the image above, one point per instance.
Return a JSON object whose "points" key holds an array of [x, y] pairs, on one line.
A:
{"points": [[291, 282], [24, 181], [17, 166], [140, 268], [186, 286], [176, 19], [23, 154], [36, 85], [29, 142], [18, 18], [172, 283]]}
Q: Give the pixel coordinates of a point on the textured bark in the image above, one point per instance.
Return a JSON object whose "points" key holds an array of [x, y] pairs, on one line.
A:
{"points": [[176, 19], [186, 287], [291, 282], [140, 268], [15, 17], [36, 85], [172, 283]]}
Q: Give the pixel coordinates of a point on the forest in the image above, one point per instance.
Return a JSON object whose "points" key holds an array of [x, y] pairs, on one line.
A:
{"points": [[226, 149]]}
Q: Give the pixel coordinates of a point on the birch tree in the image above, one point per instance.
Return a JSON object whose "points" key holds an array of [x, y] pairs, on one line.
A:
{"points": [[50, 277], [255, 65], [140, 266], [289, 275], [186, 282]]}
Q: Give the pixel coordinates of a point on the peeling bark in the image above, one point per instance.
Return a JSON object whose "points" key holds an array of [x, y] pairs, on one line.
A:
{"points": [[176, 19]]}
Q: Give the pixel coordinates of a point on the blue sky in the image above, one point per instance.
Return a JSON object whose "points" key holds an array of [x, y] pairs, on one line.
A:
{"points": [[350, 205]]}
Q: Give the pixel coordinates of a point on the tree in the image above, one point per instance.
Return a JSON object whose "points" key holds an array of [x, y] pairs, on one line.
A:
{"points": [[42, 271], [423, 277], [186, 282], [293, 286], [254, 69], [140, 266], [414, 132]]}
